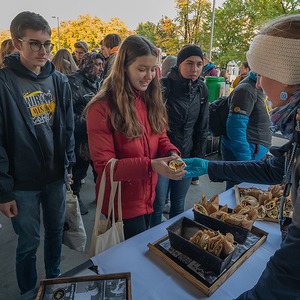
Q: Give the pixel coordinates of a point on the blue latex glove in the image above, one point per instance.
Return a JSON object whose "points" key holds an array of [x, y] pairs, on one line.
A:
{"points": [[195, 167]]}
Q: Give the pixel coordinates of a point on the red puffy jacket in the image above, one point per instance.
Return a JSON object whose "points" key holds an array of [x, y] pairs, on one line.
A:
{"points": [[133, 167]]}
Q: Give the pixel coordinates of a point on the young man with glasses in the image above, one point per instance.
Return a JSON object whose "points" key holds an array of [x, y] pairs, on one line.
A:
{"points": [[36, 146]]}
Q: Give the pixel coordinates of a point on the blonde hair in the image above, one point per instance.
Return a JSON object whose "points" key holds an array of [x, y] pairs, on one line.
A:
{"points": [[7, 47], [64, 62], [121, 95]]}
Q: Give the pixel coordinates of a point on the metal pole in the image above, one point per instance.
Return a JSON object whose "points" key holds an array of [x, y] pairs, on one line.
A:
{"points": [[58, 34], [212, 28]]}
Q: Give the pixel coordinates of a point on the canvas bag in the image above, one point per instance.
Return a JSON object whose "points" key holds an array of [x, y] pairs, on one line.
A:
{"points": [[107, 233], [74, 235]]}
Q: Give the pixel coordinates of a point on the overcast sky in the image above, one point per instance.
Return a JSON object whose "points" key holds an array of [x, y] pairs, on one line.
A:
{"points": [[132, 12]]}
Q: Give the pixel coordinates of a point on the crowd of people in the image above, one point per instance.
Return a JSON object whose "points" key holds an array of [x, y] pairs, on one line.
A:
{"points": [[61, 114]]}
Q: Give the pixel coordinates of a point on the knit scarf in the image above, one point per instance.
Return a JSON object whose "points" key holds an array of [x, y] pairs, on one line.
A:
{"points": [[86, 66], [283, 118]]}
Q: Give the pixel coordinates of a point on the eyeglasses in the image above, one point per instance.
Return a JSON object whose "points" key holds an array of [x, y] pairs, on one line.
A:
{"points": [[37, 46]]}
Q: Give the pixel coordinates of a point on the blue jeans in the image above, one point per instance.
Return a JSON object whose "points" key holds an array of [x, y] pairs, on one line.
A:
{"points": [[27, 226], [178, 191]]}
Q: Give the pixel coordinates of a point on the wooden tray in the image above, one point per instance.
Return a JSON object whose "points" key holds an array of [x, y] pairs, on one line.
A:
{"points": [[90, 287], [188, 273]]}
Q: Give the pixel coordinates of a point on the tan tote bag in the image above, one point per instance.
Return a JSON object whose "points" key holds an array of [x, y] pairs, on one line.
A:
{"points": [[107, 233]]}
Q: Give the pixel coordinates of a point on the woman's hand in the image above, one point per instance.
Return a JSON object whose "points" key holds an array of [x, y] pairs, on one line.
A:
{"points": [[161, 166]]}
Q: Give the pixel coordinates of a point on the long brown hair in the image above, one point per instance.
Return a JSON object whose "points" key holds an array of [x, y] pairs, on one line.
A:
{"points": [[121, 95], [7, 47], [64, 62]]}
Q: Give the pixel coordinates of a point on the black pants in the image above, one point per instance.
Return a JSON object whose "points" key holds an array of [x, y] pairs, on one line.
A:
{"points": [[135, 225], [79, 172]]}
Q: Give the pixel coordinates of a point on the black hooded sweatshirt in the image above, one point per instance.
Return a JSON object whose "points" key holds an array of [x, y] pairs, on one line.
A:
{"points": [[36, 127]]}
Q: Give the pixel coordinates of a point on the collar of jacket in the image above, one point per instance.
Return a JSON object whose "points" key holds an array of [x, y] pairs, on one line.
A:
{"points": [[13, 62], [208, 67], [187, 84], [114, 50]]}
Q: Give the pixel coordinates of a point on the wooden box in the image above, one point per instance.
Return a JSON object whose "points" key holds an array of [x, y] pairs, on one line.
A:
{"points": [[109, 286]]}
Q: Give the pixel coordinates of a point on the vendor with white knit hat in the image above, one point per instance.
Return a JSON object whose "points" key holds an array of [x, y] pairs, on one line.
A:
{"points": [[280, 80]]}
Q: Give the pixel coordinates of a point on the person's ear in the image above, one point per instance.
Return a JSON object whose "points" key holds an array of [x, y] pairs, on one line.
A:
{"points": [[17, 44]]}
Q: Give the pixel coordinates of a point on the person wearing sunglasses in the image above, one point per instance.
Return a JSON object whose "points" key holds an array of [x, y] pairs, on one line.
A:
{"points": [[36, 146]]}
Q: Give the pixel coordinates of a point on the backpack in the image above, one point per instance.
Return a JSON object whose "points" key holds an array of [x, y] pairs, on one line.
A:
{"points": [[218, 113]]}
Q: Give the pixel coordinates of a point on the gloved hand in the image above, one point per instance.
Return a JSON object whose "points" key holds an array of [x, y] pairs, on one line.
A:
{"points": [[195, 167]]}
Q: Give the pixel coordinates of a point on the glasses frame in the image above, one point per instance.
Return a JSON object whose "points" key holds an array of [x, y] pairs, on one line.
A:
{"points": [[30, 45]]}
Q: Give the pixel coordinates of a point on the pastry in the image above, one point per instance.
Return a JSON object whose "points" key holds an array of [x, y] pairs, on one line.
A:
{"points": [[177, 164]]}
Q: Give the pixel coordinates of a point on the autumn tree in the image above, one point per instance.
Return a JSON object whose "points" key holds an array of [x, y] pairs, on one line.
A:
{"points": [[147, 30], [193, 17], [91, 30], [167, 37], [4, 35]]}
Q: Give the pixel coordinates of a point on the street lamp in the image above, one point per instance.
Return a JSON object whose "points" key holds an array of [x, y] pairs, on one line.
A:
{"points": [[55, 17], [212, 28]]}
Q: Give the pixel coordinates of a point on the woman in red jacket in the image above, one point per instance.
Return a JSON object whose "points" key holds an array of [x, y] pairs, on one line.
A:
{"points": [[127, 120]]}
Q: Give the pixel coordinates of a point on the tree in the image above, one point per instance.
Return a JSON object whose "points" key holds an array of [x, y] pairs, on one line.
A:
{"points": [[237, 22], [193, 19], [4, 35], [147, 30], [167, 37], [91, 30]]}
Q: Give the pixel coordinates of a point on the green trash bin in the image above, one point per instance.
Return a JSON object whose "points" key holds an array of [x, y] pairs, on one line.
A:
{"points": [[214, 85]]}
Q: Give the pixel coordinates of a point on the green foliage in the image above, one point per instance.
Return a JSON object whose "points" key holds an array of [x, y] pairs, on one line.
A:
{"points": [[237, 22], [192, 18], [147, 30]]}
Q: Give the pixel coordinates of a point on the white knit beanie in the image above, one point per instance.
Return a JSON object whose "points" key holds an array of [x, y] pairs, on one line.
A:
{"points": [[276, 58]]}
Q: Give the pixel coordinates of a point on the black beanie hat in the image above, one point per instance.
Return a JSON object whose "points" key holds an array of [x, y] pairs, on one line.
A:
{"points": [[188, 50]]}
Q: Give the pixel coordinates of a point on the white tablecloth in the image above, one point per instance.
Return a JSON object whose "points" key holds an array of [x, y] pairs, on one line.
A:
{"points": [[154, 279]]}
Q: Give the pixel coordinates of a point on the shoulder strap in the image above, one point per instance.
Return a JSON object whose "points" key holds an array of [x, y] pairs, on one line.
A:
{"points": [[114, 186]]}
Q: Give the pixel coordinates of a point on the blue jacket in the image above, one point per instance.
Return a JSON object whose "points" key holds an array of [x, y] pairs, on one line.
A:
{"points": [[22, 165], [248, 122]]}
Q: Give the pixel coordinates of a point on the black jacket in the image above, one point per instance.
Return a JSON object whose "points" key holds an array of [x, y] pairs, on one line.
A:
{"points": [[83, 91], [22, 165], [187, 107]]}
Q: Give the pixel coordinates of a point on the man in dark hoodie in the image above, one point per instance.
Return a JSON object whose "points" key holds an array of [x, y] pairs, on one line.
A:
{"points": [[36, 146]]}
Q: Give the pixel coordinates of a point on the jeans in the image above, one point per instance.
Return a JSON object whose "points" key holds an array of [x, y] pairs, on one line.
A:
{"points": [[136, 225], [27, 226], [178, 191]]}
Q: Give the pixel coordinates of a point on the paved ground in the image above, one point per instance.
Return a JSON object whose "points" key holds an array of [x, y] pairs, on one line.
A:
{"points": [[70, 258]]}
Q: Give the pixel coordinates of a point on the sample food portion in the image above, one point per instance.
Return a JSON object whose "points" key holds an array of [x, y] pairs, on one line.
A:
{"points": [[177, 164], [240, 216], [214, 242], [266, 202]]}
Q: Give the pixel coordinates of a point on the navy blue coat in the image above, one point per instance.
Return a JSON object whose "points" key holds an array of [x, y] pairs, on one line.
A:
{"points": [[281, 277]]}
